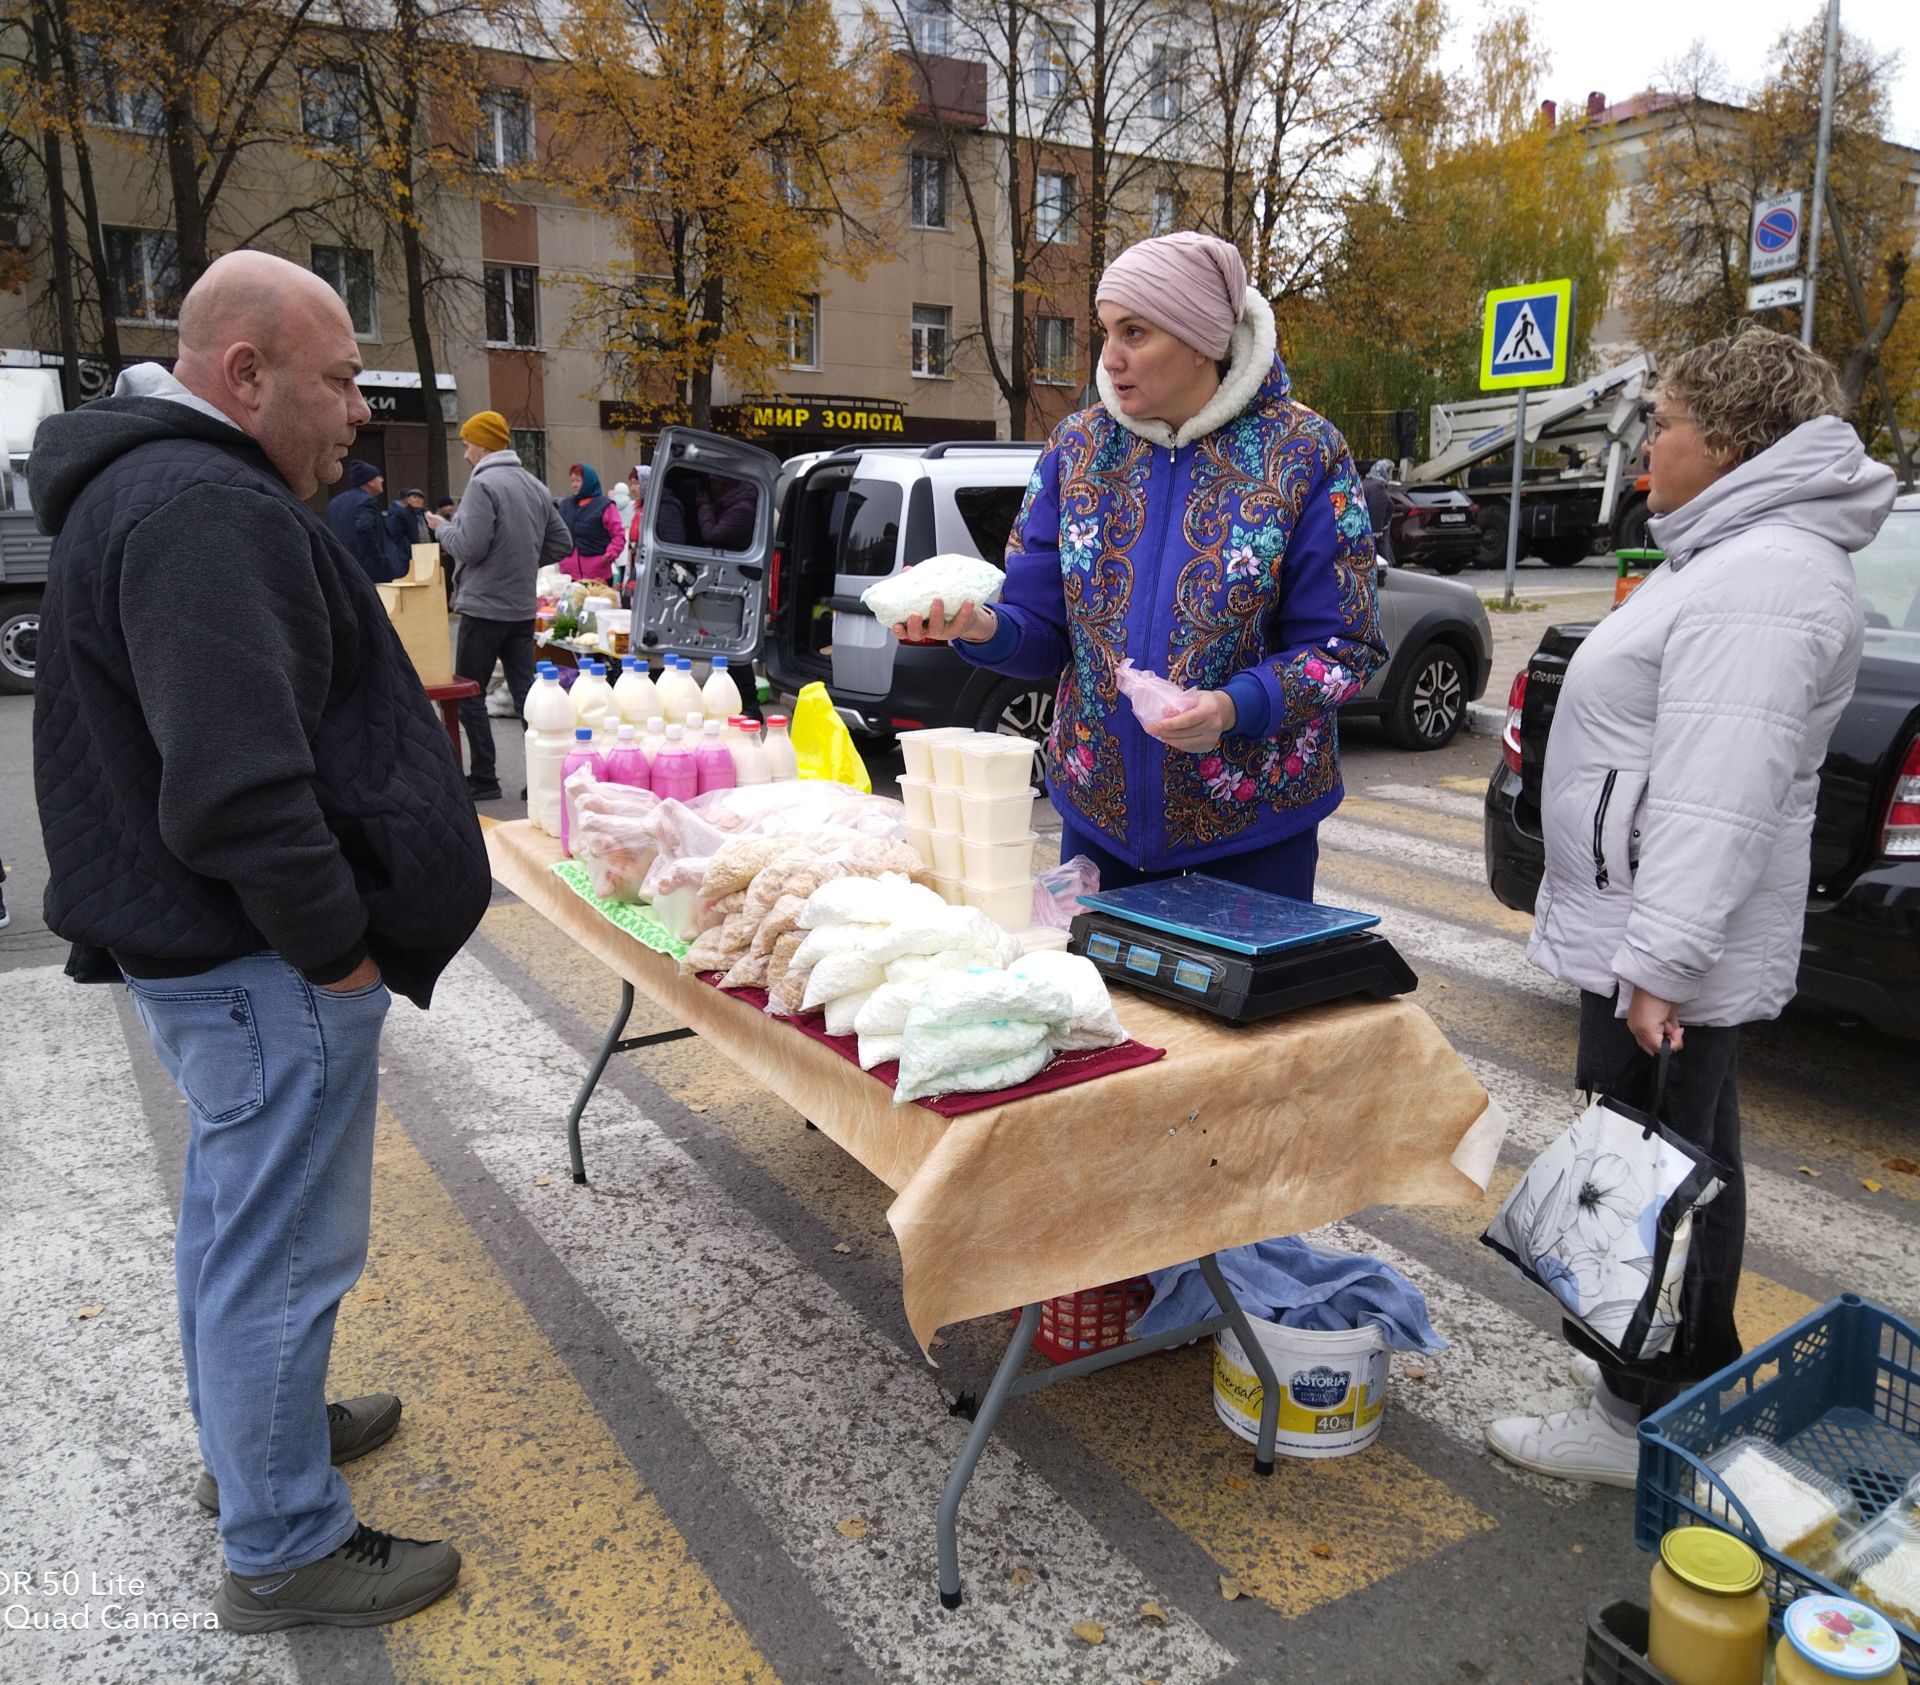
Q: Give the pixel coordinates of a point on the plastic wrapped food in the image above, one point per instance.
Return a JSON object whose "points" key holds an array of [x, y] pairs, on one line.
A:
{"points": [[1093, 1022], [738, 860], [877, 1050], [936, 931], [957, 999], [1881, 1563], [1057, 891], [798, 804], [1798, 1510], [978, 1079], [951, 580], [889, 897], [1153, 698]]}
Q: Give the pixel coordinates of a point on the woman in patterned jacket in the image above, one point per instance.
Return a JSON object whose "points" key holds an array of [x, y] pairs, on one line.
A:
{"points": [[1203, 524]]}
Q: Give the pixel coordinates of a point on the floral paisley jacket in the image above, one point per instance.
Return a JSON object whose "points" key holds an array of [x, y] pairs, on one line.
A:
{"points": [[1233, 555]]}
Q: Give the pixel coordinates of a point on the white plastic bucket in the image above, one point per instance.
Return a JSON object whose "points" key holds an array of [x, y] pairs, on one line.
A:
{"points": [[1335, 1387]]}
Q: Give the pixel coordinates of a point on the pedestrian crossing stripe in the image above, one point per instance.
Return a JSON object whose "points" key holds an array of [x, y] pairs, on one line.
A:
{"points": [[1525, 335]]}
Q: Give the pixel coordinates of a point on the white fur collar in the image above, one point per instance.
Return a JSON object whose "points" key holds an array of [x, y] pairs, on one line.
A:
{"points": [[1249, 362]]}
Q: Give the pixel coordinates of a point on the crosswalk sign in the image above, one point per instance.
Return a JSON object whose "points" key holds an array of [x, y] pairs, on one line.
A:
{"points": [[1526, 334]]}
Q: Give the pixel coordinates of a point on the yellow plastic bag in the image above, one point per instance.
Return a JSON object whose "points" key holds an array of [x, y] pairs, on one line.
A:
{"points": [[822, 744]]}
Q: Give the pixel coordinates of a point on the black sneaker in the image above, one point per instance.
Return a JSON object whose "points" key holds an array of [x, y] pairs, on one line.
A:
{"points": [[484, 789], [373, 1578], [355, 1426]]}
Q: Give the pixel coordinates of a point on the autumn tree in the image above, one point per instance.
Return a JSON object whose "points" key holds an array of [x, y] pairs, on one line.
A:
{"points": [[741, 146], [1684, 276]]}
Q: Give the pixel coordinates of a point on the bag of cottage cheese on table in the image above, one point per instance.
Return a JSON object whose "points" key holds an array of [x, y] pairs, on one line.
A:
{"points": [[949, 580]]}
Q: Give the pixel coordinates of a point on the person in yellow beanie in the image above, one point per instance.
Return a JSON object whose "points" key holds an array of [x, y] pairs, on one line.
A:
{"points": [[505, 530]]}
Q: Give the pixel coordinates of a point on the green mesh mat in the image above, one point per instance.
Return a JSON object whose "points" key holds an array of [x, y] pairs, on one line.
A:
{"points": [[637, 921]]}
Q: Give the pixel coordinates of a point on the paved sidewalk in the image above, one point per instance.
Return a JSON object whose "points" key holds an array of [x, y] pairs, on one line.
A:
{"points": [[1517, 635]]}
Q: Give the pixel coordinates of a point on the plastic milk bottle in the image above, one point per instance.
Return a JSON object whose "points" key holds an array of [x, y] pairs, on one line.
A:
{"points": [[582, 754], [782, 762], [628, 762], [714, 760], [634, 695], [750, 765], [676, 775], [720, 696], [550, 728]]}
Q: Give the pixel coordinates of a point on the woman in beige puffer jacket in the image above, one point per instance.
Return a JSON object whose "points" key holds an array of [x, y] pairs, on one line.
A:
{"points": [[1677, 804]]}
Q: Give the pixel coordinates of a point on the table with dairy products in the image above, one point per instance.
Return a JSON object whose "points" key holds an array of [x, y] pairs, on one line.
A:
{"points": [[1141, 1169]]}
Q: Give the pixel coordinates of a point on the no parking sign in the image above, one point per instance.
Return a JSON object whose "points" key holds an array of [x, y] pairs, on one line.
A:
{"points": [[1774, 245]]}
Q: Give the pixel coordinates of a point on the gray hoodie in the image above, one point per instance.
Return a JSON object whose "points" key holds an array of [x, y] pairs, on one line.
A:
{"points": [[1678, 793], [505, 530]]}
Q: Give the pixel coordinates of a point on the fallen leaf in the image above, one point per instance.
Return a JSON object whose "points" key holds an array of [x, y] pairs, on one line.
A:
{"points": [[1414, 1372], [1091, 1632], [854, 1527], [1905, 1166], [1579, 1550], [1021, 1577], [1324, 1552], [1152, 1612], [696, 1108], [1869, 1184], [543, 1181], [1235, 1483], [1229, 1588], [843, 1247], [1808, 1170], [86, 1313], [937, 1342], [383, 1070]]}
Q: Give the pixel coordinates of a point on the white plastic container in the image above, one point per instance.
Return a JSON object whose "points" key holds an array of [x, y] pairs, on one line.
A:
{"points": [[999, 865], [550, 728], [995, 819], [917, 794], [917, 747], [950, 890], [919, 838], [1042, 936], [750, 764], [949, 856], [654, 738], [679, 695], [635, 696], [997, 765], [946, 807], [1336, 1387], [1010, 906], [592, 699], [720, 696], [781, 759], [944, 751]]}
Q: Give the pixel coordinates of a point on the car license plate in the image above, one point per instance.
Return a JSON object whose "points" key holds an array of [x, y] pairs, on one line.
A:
{"points": [[1453, 517]]}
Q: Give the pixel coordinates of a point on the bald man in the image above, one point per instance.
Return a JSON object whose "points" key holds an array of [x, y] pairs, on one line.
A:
{"points": [[252, 813]]}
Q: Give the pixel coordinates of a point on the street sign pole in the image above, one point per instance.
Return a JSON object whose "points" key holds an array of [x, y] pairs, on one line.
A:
{"points": [[1513, 508], [1821, 150]]}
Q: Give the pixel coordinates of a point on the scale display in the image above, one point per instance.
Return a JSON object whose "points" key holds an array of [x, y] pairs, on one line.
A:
{"points": [[1227, 915]]}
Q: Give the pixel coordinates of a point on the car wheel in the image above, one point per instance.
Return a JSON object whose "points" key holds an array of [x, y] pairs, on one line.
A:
{"points": [[1633, 527], [1568, 550], [19, 644], [1429, 701], [1016, 709], [1493, 536], [1448, 568]]}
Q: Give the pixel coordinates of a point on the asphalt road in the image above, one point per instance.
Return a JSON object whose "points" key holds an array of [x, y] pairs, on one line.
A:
{"points": [[675, 1420]]}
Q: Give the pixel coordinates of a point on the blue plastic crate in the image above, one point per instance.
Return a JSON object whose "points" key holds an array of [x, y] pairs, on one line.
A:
{"points": [[1840, 1389]]}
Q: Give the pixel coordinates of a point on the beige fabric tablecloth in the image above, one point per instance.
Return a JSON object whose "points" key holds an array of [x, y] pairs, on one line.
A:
{"points": [[1237, 1135]]}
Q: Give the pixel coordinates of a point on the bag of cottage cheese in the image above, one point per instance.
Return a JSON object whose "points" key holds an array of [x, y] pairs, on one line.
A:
{"points": [[949, 580]]}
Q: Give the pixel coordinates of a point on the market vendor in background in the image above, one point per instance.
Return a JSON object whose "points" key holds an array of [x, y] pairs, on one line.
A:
{"points": [[1677, 801], [599, 536], [1204, 524]]}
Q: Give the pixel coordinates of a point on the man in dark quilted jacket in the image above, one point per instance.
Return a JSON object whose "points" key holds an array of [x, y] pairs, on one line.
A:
{"points": [[249, 804]]}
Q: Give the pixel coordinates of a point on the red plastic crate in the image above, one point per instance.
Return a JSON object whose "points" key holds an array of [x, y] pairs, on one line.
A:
{"points": [[1095, 1319]]}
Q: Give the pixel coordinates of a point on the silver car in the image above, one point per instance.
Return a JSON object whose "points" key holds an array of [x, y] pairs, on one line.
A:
{"points": [[1440, 646]]}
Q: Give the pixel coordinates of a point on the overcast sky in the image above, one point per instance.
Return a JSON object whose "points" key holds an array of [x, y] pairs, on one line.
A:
{"points": [[1618, 46]]}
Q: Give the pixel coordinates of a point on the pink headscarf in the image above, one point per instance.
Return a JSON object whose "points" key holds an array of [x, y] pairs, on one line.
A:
{"points": [[1193, 285]]}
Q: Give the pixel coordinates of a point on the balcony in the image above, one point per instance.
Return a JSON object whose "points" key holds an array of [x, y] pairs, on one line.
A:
{"points": [[948, 90]]}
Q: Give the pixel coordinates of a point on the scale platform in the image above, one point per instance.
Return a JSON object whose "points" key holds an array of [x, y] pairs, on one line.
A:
{"points": [[1240, 954]]}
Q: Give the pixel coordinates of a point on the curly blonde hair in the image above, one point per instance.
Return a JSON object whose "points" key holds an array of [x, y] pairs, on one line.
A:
{"points": [[1751, 389]]}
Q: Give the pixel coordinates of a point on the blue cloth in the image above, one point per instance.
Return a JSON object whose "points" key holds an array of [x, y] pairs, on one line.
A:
{"points": [[1298, 1286], [280, 1079], [1285, 867], [1240, 561], [589, 481], [353, 517]]}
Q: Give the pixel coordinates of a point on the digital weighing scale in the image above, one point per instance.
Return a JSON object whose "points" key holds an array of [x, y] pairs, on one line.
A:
{"points": [[1238, 953]]}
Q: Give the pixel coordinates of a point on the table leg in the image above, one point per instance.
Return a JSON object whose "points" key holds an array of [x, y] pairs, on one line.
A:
{"points": [[1256, 1355], [593, 1078], [946, 1518]]}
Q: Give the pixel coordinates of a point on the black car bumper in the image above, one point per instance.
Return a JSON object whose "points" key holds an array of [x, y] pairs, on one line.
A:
{"points": [[1860, 951]]}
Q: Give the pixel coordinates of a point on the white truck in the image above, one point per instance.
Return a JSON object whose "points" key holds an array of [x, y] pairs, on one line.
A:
{"points": [[1595, 498], [27, 397]]}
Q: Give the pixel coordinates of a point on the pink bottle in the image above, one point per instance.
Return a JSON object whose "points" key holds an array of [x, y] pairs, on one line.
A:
{"points": [[676, 775], [628, 762], [581, 754], [713, 760]]}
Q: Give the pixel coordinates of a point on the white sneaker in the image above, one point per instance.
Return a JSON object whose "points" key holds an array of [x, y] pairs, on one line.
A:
{"points": [[1585, 1372], [1578, 1444]]}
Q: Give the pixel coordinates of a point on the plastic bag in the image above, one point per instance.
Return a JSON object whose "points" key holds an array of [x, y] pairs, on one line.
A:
{"points": [[821, 742], [1057, 891], [1093, 1023], [1154, 698], [950, 580], [768, 809], [612, 836]]}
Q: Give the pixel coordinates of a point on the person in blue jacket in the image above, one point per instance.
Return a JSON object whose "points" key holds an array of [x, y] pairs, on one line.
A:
{"points": [[353, 517], [1205, 525]]}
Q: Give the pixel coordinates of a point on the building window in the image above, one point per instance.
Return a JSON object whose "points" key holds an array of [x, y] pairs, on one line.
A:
{"points": [[112, 99], [647, 169], [932, 341], [1054, 195], [1166, 78], [330, 109], [513, 304], [506, 129], [1053, 359], [803, 334], [349, 271], [143, 274], [1048, 59], [530, 445], [929, 25], [788, 186], [1166, 212], [929, 191]]}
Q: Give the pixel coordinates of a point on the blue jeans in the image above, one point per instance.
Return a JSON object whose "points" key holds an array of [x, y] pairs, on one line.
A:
{"points": [[280, 1079]]}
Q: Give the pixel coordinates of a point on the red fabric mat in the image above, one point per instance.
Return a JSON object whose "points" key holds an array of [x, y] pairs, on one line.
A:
{"points": [[1062, 1071]]}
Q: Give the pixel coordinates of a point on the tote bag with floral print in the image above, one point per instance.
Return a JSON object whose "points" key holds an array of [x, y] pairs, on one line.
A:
{"points": [[1603, 1220]]}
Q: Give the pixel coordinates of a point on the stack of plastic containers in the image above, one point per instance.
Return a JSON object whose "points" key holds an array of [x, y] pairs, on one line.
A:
{"points": [[969, 800]]}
